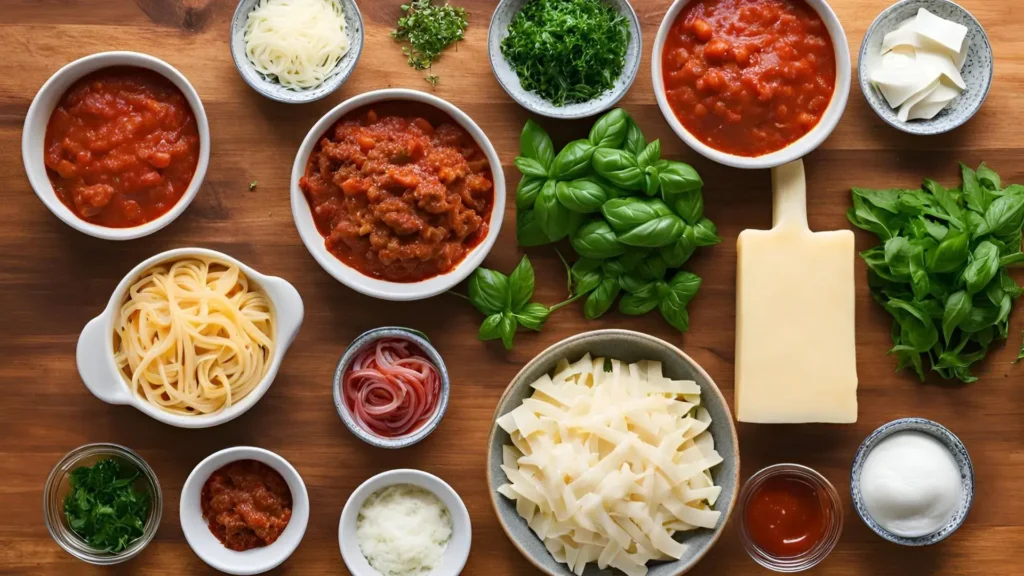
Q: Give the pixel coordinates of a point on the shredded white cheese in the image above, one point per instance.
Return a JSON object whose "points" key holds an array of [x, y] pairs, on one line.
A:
{"points": [[610, 460], [403, 530]]}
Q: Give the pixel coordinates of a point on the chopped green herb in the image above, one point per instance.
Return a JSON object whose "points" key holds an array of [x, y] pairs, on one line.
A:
{"points": [[567, 51], [432, 79], [104, 508], [252, 185], [429, 29]]}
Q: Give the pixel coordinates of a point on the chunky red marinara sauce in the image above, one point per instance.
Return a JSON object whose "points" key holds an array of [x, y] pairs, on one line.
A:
{"points": [[121, 147], [246, 504], [399, 191], [786, 516], [749, 77]]}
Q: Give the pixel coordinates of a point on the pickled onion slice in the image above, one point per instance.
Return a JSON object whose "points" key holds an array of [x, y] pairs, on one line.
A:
{"points": [[391, 389]]}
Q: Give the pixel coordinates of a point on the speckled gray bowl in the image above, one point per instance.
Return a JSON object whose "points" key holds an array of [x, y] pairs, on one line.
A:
{"points": [[509, 80], [956, 448], [977, 69], [627, 346], [269, 87], [367, 338]]}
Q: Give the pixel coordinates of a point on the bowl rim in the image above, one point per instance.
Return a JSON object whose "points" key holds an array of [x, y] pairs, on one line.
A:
{"points": [[382, 289], [38, 116], [792, 151], [95, 358], [618, 332], [919, 129], [462, 531], [580, 110], [68, 463], [367, 338], [924, 426], [300, 97], [243, 563]]}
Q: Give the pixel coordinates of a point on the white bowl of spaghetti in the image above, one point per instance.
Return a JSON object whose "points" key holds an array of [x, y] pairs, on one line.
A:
{"points": [[191, 337]]}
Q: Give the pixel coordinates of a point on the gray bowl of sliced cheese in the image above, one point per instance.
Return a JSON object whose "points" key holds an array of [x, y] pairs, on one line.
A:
{"points": [[564, 431]]}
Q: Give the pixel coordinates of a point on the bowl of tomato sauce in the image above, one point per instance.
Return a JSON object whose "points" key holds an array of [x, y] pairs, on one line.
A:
{"points": [[116, 144], [751, 83], [397, 194]]}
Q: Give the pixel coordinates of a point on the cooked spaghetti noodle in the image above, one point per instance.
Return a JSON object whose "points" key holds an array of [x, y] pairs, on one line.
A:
{"points": [[194, 336], [298, 42]]}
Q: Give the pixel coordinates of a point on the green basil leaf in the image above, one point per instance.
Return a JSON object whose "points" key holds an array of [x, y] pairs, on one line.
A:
{"points": [[1012, 259], [489, 291], [533, 316], [633, 283], [528, 230], [951, 254], [946, 200], [491, 328], [573, 161], [675, 314], [677, 253], [897, 257], [520, 284], [597, 240], [530, 167], [872, 218], [611, 129], [651, 183], [623, 264], [582, 196], [508, 329], [635, 141], [983, 268], [875, 259], [920, 283], [917, 327], [534, 143], [908, 358], [618, 167], [586, 275], [652, 267], [988, 178], [683, 287], [1009, 285], [640, 302], [552, 216], [625, 214], [888, 199], [705, 233], [655, 233], [601, 299], [958, 306], [974, 194], [527, 191], [650, 154], [1005, 215], [980, 318]]}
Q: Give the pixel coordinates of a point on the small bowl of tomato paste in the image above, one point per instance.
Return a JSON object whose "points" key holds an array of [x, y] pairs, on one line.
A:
{"points": [[116, 144], [244, 510], [751, 83]]}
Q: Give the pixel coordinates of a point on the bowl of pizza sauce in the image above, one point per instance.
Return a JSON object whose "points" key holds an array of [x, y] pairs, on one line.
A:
{"points": [[751, 83], [397, 194]]}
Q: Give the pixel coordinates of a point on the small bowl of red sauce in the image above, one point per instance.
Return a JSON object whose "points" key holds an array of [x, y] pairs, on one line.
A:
{"points": [[751, 83], [116, 144], [391, 387], [790, 517], [244, 510]]}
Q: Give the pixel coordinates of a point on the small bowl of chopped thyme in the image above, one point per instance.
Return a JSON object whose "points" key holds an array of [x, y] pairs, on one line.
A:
{"points": [[102, 504], [565, 58]]}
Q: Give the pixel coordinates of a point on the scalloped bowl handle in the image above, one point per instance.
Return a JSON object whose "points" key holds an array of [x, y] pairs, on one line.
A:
{"points": [[96, 367]]}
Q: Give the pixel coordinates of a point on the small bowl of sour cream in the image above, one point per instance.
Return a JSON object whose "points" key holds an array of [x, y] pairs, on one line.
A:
{"points": [[912, 482]]}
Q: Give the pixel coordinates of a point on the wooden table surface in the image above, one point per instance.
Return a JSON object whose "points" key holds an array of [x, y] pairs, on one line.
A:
{"points": [[54, 279]]}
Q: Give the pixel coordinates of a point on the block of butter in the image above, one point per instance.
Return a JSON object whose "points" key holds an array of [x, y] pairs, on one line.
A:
{"points": [[795, 349]]}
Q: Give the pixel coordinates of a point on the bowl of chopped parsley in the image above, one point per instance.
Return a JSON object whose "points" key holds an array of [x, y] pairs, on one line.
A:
{"points": [[102, 504], [565, 58]]}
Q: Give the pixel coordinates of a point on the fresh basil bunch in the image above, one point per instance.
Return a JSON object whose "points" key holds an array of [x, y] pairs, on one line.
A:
{"points": [[941, 271], [622, 207]]}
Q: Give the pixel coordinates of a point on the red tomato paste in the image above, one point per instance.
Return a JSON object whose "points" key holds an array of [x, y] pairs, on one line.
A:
{"points": [[246, 504]]}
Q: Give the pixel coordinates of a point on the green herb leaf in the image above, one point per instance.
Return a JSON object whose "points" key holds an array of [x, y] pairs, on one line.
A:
{"points": [[103, 508], [586, 275], [635, 142], [958, 306], [573, 161], [427, 30], [533, 316], [618, 167], [610, 129], [582, 196], [520, 284], [601, 299], [596, 239], [489, 291], [552, 217], [535, 143], [491, 328], [1005, 216], [528, 230], [983, 268], [530, 167], [527, 191], [507, 328]]}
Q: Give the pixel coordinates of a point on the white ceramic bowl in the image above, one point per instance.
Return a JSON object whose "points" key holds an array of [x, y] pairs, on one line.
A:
{"points": [[206, 545], [793, 151], [102, 377], [34, 134], [356, 280], [455, 555]]}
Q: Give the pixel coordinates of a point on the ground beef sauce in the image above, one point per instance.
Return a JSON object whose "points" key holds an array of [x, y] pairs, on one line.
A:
{"points": [[247, 504], [121, 147], [749, 77], [399, 191]]}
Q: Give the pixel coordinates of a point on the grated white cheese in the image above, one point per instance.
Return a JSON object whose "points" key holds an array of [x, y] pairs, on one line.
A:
{"points": [[403, 530]]}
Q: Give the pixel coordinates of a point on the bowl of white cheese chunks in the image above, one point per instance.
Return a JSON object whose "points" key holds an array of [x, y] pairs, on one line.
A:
{"points": [[925, 66]]}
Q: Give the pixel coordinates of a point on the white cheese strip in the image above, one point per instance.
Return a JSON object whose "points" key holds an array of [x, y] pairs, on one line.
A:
{"points": [[897, 85], [899, 57], [934, 103], [901, 37], [949, 34], [904, 112], [941, 63]]}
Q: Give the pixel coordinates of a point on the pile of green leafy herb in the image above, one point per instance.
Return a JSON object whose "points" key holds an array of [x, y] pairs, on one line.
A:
{"points": [[429, 29], [567, 51], [633, 217], [941, 271], [104, 508]]}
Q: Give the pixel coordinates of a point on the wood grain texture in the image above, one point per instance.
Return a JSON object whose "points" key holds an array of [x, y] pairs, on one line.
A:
{"points": [[53, 280]]}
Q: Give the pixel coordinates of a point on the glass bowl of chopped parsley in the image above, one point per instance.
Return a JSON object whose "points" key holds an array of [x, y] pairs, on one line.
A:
{"points": [[102, 503]]}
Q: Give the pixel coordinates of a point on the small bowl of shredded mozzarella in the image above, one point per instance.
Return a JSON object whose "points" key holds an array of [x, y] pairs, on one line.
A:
{"points": [[405, 523], [296, 51]]}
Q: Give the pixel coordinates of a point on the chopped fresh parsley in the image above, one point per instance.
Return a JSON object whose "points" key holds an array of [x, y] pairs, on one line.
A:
{"points": [[567, 51], [429, 29], [104, 508]]}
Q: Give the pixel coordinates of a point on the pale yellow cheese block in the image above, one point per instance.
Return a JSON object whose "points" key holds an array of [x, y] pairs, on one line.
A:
{"points": [[795, 349]]}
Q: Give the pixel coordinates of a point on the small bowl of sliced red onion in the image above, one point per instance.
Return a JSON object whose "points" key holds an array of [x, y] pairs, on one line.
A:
{"points": [[391, 387]]}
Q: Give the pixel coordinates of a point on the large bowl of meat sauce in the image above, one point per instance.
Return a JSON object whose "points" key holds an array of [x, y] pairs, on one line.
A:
{"points": [[116, 144], [398, 194], [751, 83]]}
